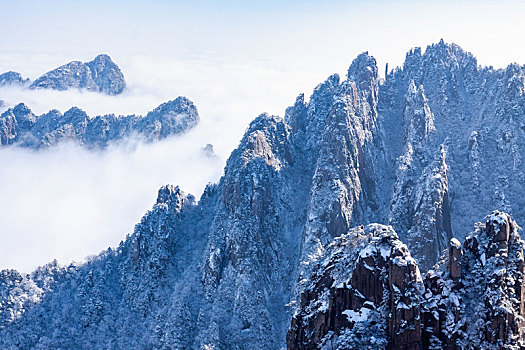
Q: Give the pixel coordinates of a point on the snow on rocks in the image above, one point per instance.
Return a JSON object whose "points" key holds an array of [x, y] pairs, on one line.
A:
{"points": [[101, 75], [20, 126], [477, 301], [372, 293], [373, 287]]}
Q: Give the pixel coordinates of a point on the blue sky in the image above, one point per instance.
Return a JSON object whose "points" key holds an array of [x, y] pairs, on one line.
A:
{"points": [[329, 31]]}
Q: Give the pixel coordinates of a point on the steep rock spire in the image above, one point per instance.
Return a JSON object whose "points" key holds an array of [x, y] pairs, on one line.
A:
{"points": [[364, 293]]}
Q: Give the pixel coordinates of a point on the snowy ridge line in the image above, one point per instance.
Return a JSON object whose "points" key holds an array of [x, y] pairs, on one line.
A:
{"points": [[20, 127], [219, 273]]}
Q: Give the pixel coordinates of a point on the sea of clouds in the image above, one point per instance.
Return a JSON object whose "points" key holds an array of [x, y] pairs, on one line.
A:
{"points": [[67, 202], [234, 60]]}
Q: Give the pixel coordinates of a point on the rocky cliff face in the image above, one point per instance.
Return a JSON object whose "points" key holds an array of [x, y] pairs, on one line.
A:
{"points": [[414, 151], [474, 122], [21, 127], [475, 298], [366, 292], [101, 75]]}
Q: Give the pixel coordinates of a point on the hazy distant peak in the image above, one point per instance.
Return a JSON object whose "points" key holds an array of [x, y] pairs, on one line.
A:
{"points": [[28, 130], [101, 75], [12, 78]]}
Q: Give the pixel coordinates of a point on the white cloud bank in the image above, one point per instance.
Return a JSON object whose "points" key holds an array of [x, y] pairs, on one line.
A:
{"points": [[234, 60], [67, 202]]}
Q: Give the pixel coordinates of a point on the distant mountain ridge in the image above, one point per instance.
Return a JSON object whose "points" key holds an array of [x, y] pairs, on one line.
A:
{"points": [[423, 154], [100, 75], [12, 78], [19, 126]]}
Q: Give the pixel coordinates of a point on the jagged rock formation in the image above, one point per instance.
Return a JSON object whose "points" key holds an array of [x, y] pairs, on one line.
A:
{"points": [[21, 127], [12, 78], [475, 115], [109, 297], [101, 75], [366, 293], [477, 300], [415, 151]]}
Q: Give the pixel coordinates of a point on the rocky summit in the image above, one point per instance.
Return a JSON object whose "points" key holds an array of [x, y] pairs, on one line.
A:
{"points": [[475, 297], [100, 75], [20, 127], [274, 254], [367, 293], [12, 78]]}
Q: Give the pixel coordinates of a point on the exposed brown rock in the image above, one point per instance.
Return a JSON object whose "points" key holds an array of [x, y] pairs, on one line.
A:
{"points": [[366, 293], [481, 295], [454, 259], [383, 284], [498, 227]]}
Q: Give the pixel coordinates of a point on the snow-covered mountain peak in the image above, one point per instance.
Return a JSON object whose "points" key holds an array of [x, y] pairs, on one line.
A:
{"points": [[437, 144]]}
